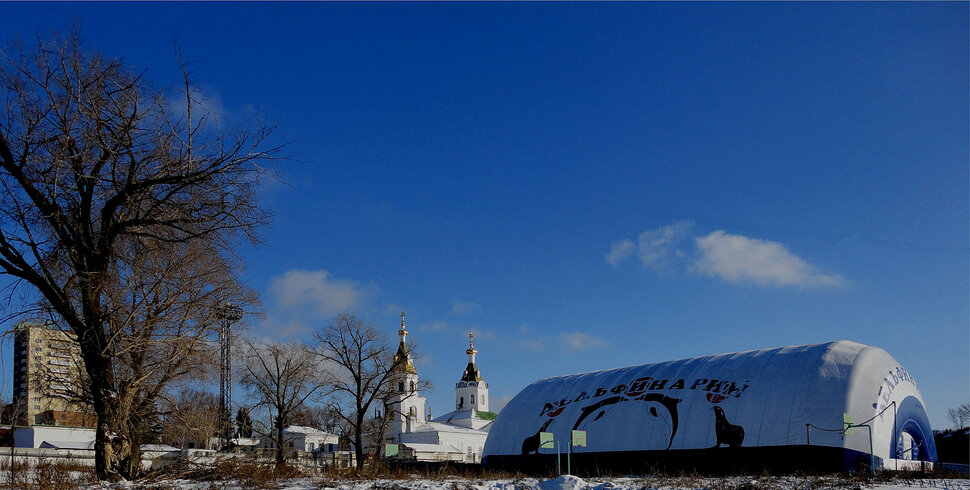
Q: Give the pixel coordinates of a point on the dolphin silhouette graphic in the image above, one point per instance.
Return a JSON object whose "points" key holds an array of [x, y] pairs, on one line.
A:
{"points": [[667, 402]]}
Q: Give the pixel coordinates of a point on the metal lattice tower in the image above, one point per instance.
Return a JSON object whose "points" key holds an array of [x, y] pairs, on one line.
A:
{"points": [[229, 314]]}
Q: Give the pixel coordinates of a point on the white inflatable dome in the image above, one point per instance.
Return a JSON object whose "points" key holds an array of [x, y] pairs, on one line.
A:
{"points": [[788, 408]]}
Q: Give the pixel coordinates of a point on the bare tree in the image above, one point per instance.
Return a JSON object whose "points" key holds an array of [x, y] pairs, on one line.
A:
{"points": [[244, 423], [316, 416], [107, 184], [165, 318], [281, 377], [360, 367], [960, 416], [191, 418]]}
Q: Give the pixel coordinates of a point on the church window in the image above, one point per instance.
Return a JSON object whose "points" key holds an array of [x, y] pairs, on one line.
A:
{"points": [[412, 386], [413, 412], [400, 386], [472, 398], [461, 402]]}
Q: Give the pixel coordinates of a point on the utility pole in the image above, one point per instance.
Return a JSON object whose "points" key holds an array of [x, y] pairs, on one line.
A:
{"points": [[229, 314]]}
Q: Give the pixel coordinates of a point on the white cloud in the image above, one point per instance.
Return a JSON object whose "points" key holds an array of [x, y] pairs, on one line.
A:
{"points": [[273, 328], [208, 111], [497, 404], [657, 246], [570, 341], [437, 326], [479, 334], [738, 259], [318, 292], [534, 344], [453, 330], [733, 258], [620, 251], [424, 360], [575, 341], [300, 301], [462, 307]]}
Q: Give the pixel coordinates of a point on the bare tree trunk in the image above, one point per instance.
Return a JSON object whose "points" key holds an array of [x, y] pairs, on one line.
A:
{"points": [[99, 368], [359, 443], [280, 442]]}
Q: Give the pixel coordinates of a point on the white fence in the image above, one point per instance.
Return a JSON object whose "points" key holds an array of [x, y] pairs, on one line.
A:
{"points": [[85, 457]]}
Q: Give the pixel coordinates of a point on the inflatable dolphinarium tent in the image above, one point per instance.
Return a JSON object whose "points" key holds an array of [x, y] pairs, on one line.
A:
{"points": [[824, 407]]}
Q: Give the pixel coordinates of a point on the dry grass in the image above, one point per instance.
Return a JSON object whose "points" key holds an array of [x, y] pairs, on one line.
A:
{"points": [[240, 472], [46, 475], [762, 481], [249, 473]]}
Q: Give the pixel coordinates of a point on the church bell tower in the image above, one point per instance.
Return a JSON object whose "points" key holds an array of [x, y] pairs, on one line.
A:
{"points": [[471, 392], [407, 404]]}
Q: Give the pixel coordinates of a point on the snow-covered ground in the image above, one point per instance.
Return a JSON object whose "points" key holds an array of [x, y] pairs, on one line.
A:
{"points": [[566, 482]]}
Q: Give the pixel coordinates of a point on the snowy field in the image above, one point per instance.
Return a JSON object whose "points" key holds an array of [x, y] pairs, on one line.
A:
{"points": [[566, 482]]}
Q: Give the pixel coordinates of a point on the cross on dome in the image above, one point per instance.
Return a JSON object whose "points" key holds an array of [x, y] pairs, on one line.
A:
{"points": [[471, 371], [403, 354]]}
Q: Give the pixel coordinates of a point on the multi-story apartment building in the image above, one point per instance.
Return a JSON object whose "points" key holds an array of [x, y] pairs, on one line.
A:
{"points": [[48, 377]]}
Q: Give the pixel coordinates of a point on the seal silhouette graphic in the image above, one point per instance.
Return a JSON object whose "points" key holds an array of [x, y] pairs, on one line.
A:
{"points": [[726, 432], [531, 444]]}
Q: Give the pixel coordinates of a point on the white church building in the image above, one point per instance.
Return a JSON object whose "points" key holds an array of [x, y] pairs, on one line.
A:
{"points": [[458, 436]]}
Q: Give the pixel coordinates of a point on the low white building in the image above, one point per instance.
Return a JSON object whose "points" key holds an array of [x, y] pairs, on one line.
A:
{"points": [[436, 437], [245, 443], [441, 453], [78, 441], [305, 439], [64, 437]]}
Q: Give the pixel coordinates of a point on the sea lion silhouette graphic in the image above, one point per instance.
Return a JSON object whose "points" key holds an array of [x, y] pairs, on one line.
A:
{"points": [[726, 432], [531, 444]]}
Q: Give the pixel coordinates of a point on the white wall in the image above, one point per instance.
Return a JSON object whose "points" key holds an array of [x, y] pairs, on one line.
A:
{"points": [[34, 436]]}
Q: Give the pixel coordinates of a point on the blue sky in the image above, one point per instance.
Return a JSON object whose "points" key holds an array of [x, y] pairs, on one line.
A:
{"points": [[593, 185]]}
